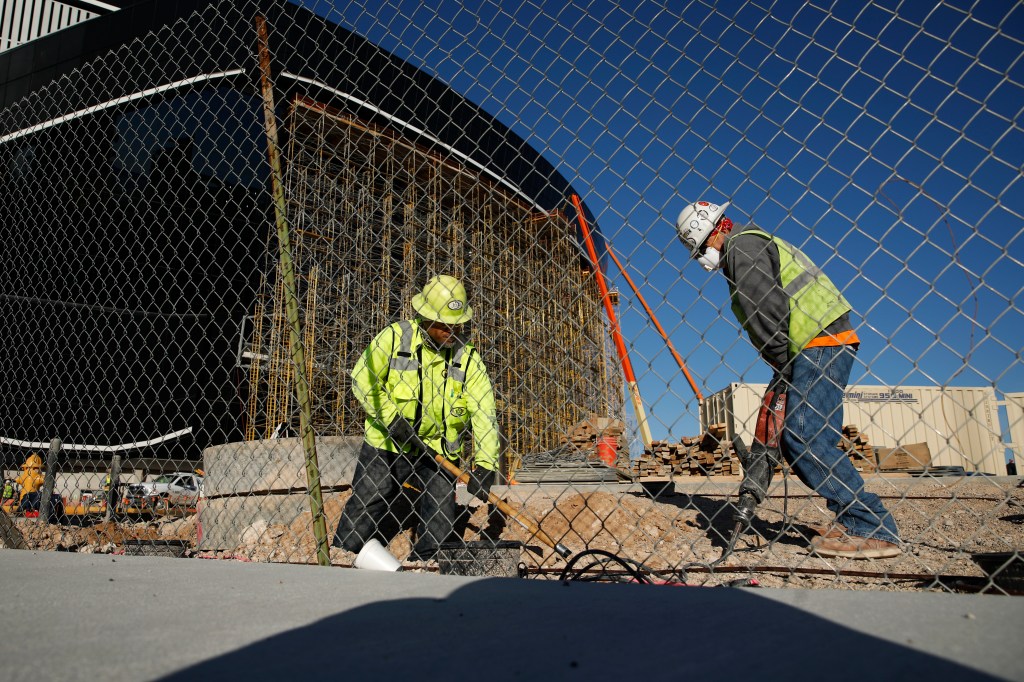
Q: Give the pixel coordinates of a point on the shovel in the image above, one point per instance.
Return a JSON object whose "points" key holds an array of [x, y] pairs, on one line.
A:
{"points": [[517, 515]]}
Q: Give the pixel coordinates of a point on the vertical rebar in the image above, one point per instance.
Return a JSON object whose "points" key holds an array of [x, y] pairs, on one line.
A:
{"points": [[316, 503]]}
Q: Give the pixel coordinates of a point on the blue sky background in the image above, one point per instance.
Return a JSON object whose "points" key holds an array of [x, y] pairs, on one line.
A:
{"points": [[884, 141]]}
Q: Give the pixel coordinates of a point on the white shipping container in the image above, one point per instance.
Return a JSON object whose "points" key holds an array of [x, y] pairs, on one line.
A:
{"points": [[959, 424], [1015, 420]]}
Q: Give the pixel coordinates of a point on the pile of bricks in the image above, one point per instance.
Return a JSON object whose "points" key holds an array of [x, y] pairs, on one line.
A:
{"points": [[707, 455]]}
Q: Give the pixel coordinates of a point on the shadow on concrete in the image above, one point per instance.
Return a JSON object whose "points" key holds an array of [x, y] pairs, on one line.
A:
{"points": [[716, 517], [499, 629]]}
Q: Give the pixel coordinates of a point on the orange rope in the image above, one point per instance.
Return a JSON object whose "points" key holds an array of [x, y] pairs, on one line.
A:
{"points": [[654, 319], [620, 345]]}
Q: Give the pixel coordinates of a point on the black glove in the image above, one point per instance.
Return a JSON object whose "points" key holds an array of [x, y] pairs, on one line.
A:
{"points": [[480, 482], [402, 433]]}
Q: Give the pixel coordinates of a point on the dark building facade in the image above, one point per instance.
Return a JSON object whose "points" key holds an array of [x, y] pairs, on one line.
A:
{"points": [[138, 221]]}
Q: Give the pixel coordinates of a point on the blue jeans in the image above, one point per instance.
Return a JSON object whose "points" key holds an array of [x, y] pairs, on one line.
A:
{"points": [[813, 430]]}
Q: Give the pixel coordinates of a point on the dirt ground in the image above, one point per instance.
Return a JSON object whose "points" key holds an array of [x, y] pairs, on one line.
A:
{"points": [[943, 522]]}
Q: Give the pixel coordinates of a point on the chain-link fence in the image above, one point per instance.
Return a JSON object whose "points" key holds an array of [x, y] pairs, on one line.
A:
{"points": [[277, 274]]}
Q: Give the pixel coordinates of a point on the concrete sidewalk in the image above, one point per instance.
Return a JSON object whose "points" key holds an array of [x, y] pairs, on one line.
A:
{"points": [[104, 617]]}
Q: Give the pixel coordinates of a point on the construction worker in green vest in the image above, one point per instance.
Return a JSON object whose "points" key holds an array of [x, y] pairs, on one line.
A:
{"points": [[800, 324], [420, 383]]}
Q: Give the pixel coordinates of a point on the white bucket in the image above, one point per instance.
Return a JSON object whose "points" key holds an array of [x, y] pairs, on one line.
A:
{"points": [[374, 557]]}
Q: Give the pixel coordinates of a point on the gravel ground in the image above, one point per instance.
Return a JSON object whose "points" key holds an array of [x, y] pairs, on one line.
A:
{"points": [[943, 522]]}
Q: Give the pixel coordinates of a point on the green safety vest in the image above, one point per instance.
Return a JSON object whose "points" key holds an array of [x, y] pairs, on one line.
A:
{"points": [[814, 301], [440, 392]]}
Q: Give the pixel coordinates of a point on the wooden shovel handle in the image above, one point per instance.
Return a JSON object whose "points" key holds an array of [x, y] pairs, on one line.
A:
{"points": [[523, 520]]}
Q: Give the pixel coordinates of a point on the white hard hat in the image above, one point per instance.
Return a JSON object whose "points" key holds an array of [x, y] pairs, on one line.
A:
{"points": [[696, 222]]}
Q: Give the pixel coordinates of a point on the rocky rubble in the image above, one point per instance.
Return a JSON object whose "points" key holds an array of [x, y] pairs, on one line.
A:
{"points": [[943, 523]]}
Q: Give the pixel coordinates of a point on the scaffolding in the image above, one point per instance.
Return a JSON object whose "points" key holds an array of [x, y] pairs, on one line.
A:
{"points": [[372, 216]]}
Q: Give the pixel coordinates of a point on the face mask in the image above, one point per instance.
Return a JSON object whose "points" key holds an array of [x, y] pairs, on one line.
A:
{"points": [[710, 260]]}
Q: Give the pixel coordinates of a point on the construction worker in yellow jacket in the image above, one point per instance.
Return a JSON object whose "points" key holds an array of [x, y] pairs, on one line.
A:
{"points": [[31, 481], [420, 380]]}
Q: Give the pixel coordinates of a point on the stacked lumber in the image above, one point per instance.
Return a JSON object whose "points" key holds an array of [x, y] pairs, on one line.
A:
{"points": [[663, 459], [706, 455], [713, 455], [710, 455], [855, 444]]}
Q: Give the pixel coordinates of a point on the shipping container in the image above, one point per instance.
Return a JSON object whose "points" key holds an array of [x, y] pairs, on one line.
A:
{"points": [[1015, 421], [959, 424]]}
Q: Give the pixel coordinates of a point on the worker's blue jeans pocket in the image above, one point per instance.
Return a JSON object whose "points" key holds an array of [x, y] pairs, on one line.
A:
{"points": [[810, 439]]}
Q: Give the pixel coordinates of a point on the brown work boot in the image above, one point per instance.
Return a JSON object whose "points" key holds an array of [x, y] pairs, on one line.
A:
{"points": [[830, 530], [854, 548]]}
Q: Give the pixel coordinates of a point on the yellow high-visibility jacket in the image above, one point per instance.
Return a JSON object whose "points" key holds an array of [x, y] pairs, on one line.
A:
{"points": [[441, 393], [30, 479]]}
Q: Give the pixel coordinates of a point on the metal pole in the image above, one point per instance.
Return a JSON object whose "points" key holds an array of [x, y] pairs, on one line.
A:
{"points": [[650, 313], [49, 479], [113, 494], [316, 502], [613, 323]]}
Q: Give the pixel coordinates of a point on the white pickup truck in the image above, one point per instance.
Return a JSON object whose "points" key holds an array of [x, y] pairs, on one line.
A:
{"points": [[181, 489]]}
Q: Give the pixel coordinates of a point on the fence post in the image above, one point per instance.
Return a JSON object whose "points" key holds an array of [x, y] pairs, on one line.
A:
{"points": [[316, 502], [49, 479], [113, 497]]}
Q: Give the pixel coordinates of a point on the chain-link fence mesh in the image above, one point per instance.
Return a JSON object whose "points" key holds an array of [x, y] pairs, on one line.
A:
{"points": [[224, 235]]}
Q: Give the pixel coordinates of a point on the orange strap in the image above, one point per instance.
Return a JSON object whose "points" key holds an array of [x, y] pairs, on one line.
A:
{"points": [[846, 338]]}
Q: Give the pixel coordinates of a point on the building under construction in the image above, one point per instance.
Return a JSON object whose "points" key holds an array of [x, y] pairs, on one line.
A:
{"points": [[372, 216], [153, 155]]}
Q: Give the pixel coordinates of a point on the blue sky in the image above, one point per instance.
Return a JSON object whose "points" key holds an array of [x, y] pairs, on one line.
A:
{"points": [[884, 141]]}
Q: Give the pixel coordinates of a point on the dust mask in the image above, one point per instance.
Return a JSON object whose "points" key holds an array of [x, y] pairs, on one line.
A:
{"points": [[711, 260]]}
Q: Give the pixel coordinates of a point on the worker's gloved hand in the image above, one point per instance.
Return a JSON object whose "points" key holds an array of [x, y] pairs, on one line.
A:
{"points": [[480, 482], [401, 432]]}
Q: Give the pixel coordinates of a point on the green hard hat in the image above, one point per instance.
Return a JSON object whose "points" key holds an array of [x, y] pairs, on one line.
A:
{"points": [[444, 300]]}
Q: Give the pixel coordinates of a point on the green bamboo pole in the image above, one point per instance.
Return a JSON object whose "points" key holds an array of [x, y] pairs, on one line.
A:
{"points": [[316, 501]]}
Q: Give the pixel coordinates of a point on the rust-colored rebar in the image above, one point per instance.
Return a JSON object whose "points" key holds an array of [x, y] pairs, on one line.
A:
{"points": [[366, 235]]}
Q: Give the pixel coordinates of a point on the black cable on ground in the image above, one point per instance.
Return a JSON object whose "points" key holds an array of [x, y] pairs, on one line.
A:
{"points": [[635, 571]]}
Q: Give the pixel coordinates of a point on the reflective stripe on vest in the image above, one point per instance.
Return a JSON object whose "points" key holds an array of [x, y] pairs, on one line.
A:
{"points": [[456, 372], [403, 359], [814, 301]]}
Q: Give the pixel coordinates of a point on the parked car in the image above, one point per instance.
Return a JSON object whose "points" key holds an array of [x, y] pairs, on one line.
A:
{"points": [[181, 489]]}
